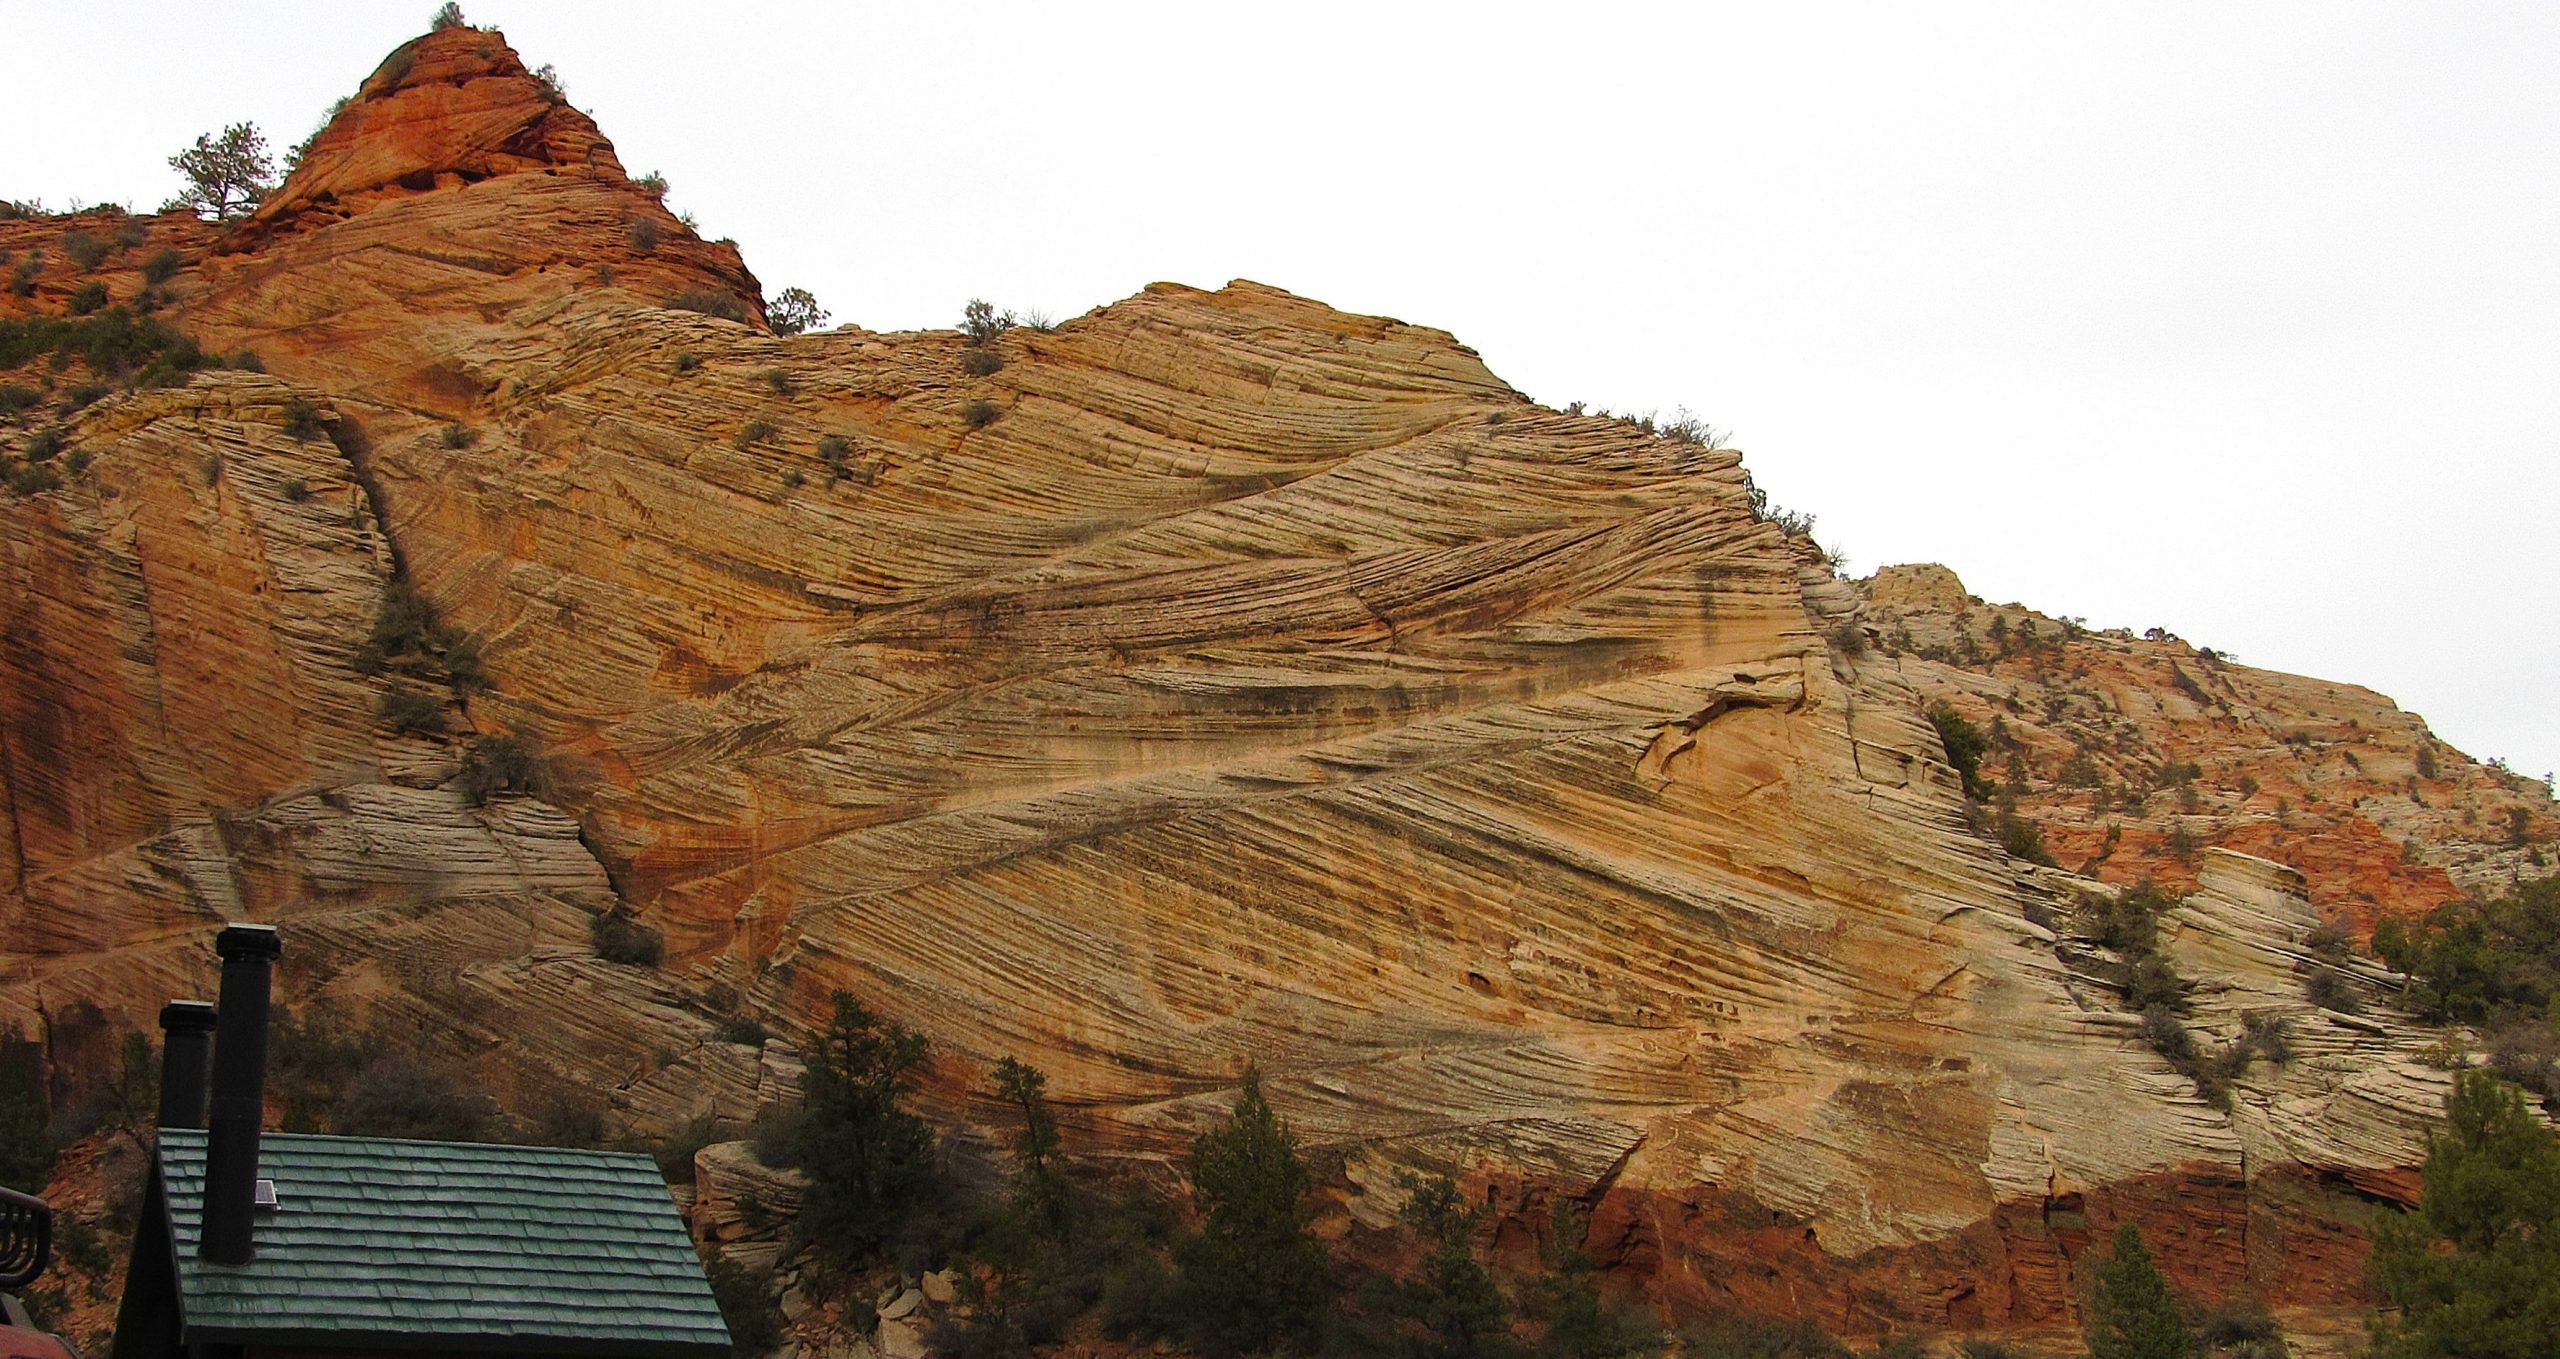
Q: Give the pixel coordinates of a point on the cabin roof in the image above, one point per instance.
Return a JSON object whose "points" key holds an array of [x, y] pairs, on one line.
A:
{"points": [[386, 1243]]}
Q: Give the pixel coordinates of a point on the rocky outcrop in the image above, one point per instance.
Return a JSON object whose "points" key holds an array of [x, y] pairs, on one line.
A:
{"points": [[1213, 678], [2134, 753]]}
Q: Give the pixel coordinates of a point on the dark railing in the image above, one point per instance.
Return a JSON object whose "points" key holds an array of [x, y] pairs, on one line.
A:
{"points": [[26, 1238]]}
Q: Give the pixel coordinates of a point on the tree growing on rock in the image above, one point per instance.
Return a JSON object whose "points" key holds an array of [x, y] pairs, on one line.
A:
{"points": [[1450, 1308], [1039, 1188], [1965, 746], [2475, 1271], [2132, 1314], [1580, 1323], [868, 1159], [794, 311], [26, 1146], [1252, 1276], [226, 174]]}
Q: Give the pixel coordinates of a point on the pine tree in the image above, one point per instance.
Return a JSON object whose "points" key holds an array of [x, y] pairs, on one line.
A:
{"points": [[1253, 1275], [1040, 1190], [869, 1161], [1580, 1323], [226, 175], [793, 311], [1451, 1300], [26, 1148], [2475, 1271], [2132, 1314]]}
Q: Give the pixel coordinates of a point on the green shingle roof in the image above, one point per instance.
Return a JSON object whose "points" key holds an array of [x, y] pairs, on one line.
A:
{"points": [[395, 1243]]}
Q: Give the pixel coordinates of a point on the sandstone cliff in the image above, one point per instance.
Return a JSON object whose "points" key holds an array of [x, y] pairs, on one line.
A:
{"points": [[1221, 678]]}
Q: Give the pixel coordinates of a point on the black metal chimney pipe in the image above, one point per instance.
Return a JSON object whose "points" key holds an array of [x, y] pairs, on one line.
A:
{"points": [[239, 1093], [186, 1053]]}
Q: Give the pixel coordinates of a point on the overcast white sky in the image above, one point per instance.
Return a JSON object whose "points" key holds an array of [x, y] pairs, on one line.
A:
{"points": [[2241, 320]]}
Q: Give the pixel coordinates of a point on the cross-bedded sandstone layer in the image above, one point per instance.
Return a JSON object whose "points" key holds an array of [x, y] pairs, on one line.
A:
{"points": [[1221, 678]]}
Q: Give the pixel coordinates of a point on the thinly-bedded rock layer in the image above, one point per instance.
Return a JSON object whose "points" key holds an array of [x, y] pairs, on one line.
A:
{"points": [[1221, 679]]}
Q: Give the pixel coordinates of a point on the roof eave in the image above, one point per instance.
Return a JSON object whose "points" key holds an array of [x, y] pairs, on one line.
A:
{"points": [[397, 1341]]}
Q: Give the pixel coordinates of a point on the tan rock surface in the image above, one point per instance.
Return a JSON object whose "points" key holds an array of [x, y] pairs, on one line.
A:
{"points": [[1263, 683]]}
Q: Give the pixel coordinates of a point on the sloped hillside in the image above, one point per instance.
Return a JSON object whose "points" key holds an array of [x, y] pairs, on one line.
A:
{"points": [[1212, 678]]}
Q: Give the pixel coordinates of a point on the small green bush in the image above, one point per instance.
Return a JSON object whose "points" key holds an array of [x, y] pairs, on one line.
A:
{"points": [[2328, 988], [2023, 838], [755, 1325], [408, 637], [86, 248], [170, 367], [981, 323], [43, 445], [433, 1101], [563, 1118], [719, 306], [779, 379], [1965, 746], [837, 454], [744, 1029], [1738, 1337], [447, 15], [412, 713], [675, 1155], [980, 413], [688, 362], [981, 362], [297, 490], [2242, 1328], [302, 419], [1685, 428], [458, 436], [619, 938], [247, 361], [88, 298], [508, 763], [793, 478], [644, 235], [160, 268], [16, 400], [754, 432]]}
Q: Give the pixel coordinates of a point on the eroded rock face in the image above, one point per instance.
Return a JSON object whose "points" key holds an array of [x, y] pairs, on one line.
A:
{"points": [[2134, 753], [1241, 681]]}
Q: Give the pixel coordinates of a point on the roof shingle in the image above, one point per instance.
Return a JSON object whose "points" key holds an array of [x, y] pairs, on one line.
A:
{"points": [[387, 1240]]}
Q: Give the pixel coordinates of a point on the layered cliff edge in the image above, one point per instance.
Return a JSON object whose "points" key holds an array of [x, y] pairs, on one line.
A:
{"points": [[1221, 678]]}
